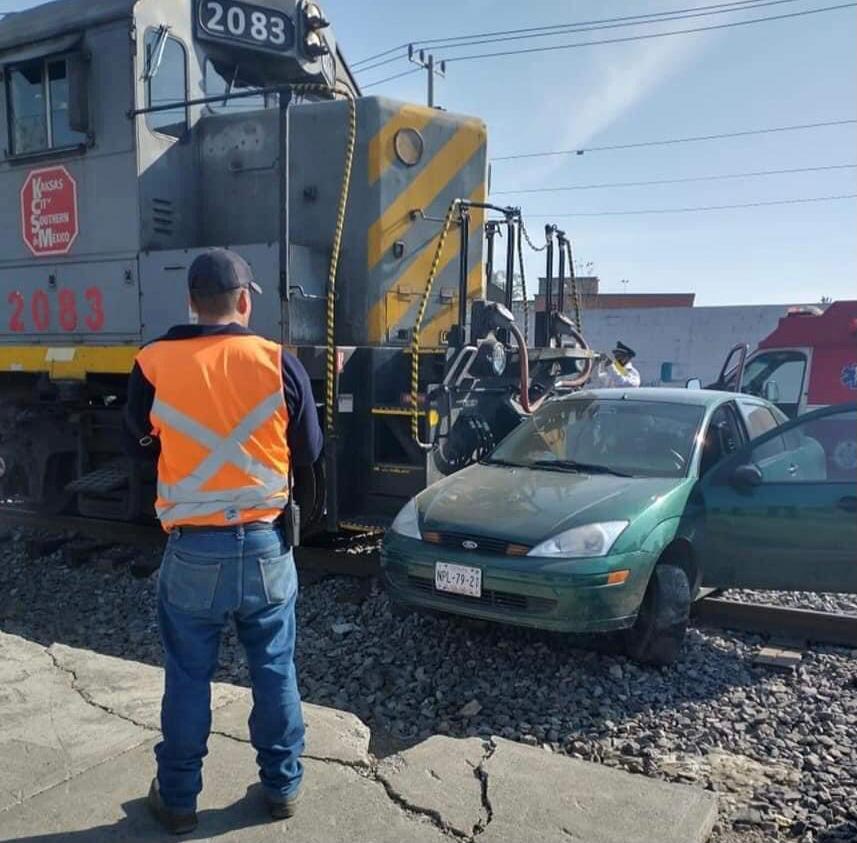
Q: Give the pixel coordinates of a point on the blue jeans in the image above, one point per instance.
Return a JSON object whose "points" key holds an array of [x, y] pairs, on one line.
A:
{"points": [[208, 576]]}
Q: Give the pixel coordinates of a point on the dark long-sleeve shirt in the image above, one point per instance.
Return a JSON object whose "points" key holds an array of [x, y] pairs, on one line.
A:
{"points": [[303, 433]]}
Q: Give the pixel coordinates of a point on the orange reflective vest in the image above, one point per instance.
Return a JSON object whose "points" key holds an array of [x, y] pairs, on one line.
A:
{"points": [[221, 417]]}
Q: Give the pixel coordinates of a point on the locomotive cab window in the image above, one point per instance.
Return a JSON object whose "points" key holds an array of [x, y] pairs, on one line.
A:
{"points": [[216, 86], [166, 83], [39, 96]]}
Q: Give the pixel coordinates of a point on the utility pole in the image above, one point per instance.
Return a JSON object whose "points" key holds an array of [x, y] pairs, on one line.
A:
{"points": [[427, 63]]}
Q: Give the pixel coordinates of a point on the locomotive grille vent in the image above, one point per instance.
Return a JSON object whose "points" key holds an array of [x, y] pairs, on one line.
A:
{"points": [[163, 217]]}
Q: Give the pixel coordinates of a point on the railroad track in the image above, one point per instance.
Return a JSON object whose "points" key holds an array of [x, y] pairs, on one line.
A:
{"points": [[711, 610], [322, 559]]}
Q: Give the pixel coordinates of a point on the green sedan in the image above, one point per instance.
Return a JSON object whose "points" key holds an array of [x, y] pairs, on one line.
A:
{"points": [[609, 509]]}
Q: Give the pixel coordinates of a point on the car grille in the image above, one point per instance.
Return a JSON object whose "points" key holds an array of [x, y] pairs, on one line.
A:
{"points": [[496, 599], [484, 544]]}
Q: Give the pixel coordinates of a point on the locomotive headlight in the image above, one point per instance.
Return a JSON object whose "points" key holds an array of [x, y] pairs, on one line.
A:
{"points": [[314, 45], [498, 359], [314, 17]]}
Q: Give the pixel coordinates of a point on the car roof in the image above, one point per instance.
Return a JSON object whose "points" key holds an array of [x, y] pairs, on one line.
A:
{"points": [[664, 394]]}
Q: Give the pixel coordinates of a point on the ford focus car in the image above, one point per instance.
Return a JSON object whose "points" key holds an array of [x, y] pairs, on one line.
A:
{"points": [[608, 509]]}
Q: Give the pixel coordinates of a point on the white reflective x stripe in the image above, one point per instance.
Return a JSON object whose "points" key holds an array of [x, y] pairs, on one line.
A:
{"points": [[187, 498]]}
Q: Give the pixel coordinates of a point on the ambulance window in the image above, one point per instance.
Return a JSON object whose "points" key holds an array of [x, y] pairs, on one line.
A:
{"points": [[166, 63], [777, 376], [38, 97], [216, 85]]}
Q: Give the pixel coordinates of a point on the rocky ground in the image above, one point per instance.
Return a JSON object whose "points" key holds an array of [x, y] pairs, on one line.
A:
{"points": [[779, 747]]}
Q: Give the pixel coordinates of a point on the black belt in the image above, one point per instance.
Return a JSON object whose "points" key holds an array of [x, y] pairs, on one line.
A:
{"points": [[250, 526]]}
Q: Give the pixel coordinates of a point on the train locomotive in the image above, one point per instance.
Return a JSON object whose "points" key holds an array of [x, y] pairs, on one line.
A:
{"points": [[137, 133]]}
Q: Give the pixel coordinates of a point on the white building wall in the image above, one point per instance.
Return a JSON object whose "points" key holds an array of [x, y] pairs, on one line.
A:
{"points": [[676, 343]]}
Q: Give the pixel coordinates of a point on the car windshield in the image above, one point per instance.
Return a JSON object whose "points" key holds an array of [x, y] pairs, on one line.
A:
{"points": [[591, 435]]}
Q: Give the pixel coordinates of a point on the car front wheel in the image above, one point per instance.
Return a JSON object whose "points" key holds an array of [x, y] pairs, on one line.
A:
{"points": [[657, 634]]}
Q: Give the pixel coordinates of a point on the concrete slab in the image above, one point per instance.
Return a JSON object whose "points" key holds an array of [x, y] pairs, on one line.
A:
{"points": [[566, 800], [106, 804], [76, 736], [128, 689], [48, 732], [132, 691], [331, 735], [441, 776]]}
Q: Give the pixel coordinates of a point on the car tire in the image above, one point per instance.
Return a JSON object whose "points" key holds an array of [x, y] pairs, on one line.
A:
{"points": [[658, 633]]}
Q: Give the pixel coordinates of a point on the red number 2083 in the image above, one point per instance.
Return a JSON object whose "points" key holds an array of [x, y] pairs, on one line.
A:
{"points": [[43, 314]]}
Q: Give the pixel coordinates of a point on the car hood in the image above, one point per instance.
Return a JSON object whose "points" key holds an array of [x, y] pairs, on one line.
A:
{"points": [[528, 506]]}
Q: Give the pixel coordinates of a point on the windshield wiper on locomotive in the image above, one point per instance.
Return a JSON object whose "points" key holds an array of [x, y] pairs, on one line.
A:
{"points": [[579, 467]]}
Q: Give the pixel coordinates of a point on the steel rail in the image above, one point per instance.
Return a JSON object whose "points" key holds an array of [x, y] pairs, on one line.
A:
{"points": [[777, 621]]}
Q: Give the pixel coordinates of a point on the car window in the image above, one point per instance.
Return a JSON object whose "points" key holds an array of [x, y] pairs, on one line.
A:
{"points": [[815, 450], [722, 438], [759, 421], [640, 438]]}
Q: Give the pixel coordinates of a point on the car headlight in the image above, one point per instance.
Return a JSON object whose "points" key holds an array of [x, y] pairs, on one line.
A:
{"points": [[406, 522], [591, 540]]}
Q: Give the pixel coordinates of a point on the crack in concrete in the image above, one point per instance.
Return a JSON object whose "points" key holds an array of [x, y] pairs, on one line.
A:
{"points": [[368, 771], [410, 809], [74, 685], [482, 775]]}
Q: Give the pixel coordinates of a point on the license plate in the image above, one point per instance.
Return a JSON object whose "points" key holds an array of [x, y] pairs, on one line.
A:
{"points": [[458, 579]]}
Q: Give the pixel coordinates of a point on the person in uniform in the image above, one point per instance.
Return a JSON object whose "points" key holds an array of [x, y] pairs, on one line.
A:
{"points": [[618, 371], [227, 414]]}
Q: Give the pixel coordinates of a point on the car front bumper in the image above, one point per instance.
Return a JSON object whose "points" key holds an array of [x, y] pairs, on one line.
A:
{"points": [[563, 595]]}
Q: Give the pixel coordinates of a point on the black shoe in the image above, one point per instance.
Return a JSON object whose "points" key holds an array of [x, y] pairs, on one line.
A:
{"points": [[282, 808], [173, 821]]}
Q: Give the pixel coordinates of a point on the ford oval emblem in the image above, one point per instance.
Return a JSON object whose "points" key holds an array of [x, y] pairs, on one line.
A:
{"points": [[469, 545]]}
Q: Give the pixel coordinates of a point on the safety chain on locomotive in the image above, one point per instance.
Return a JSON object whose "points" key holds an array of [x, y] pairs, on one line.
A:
{"points": [[415, 344], [336, 249]]}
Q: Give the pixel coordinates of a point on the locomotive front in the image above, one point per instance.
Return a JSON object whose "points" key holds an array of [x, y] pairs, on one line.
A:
{"points": [[140, 133]]}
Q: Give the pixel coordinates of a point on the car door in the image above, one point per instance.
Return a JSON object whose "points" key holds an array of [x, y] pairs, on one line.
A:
{"points": [[781, 513]]}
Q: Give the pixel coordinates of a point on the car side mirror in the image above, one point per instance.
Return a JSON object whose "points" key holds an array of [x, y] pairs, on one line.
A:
{"points": [[746, 476], [771, 391], [694, 383]]}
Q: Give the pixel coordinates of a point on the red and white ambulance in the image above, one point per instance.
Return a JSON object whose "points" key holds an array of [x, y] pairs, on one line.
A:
{"points": [[809, 361]]}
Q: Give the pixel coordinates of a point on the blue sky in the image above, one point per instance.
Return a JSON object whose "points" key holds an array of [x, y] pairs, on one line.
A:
{"points": [[778, 73]]}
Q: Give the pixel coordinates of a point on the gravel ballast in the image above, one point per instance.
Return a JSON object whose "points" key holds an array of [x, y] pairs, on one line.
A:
{"points": [[780, 747]]}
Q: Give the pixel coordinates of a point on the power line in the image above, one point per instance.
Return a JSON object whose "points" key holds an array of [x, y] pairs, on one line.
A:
{"points": [[670, 141], [580, 27], [628, 38], [759, 4], [697, 209], [390, 78], [678, 181], [556, 28]]}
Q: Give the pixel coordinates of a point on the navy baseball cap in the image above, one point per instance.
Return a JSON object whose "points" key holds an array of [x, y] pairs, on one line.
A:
{"points": [[218, 271]]}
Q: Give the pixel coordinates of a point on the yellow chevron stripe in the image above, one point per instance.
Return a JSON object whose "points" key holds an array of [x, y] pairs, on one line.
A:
{"points": [[382, 153], [389, 311], [444, 320], [424, 189], [68, 362]]}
